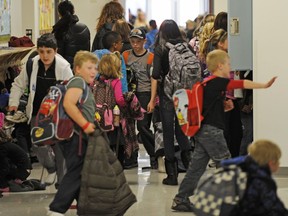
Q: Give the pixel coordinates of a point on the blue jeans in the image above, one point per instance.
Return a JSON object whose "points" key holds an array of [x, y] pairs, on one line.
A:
{"points": [[209, 144], [171, 128]]}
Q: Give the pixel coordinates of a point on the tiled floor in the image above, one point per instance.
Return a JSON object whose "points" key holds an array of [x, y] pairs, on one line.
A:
{"points": [[154, 199]]}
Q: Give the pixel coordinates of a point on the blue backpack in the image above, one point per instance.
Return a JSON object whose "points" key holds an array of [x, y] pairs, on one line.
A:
{"points": [[52, 124]]}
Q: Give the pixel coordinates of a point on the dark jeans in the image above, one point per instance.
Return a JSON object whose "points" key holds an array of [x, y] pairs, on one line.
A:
{"points": [[143, 126], [69, 188], [171, 128], [14, 163]]}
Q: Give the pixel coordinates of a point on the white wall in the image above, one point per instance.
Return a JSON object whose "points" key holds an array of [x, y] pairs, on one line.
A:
{"points": [[16, 15], [270, 59], [220, 5], [88, 12]]}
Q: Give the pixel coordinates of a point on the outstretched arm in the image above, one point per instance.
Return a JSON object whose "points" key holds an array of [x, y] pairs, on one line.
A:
{"points": [[248, 84]]}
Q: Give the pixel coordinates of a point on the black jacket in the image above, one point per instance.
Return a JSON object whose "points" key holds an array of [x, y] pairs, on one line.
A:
{"points": [[71, 37], [97, 42]]}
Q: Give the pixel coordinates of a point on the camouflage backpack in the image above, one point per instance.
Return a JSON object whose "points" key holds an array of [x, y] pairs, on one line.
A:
{"points": [[184, 69]]}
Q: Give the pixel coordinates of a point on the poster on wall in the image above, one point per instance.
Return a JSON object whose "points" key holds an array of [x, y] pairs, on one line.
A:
{"points": [[46, 15], [5, 20]]}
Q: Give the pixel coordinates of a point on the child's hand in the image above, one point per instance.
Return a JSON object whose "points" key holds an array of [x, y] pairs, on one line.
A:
{"points": [[228, 105], [268, 84], [150, 107], [90, 129]]}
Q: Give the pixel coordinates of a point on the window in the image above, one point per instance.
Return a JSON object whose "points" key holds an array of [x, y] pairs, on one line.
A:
{"points": [[178, 10]]}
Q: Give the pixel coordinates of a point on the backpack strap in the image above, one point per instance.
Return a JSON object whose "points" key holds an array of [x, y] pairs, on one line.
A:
{"points": [[169, 45], [29, 66]]}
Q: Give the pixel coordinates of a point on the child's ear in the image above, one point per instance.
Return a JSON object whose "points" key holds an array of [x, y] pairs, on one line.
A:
{"points": [[220, 66], [77, 69]]}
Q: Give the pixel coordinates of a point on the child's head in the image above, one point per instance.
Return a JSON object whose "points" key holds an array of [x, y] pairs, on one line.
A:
{"points": [[47, 40], [218, 61], [122, 27], [265, 152], [152, 24], [112, 41], [137, 40], [47, 48], [85, 65], [110, 65], [65, 8], [217, 40]]}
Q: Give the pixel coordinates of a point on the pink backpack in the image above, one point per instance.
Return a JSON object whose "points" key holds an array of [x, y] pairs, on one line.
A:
{"points": [[2, 117]]}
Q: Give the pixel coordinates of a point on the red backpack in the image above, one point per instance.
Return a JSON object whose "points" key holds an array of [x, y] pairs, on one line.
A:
{"points": [[52, 124], [188, 104]]}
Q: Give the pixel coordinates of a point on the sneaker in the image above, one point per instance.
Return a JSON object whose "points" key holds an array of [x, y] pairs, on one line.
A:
{"points": [[181, 205], [18, 117], [8, 125], [130, 165], [50, 179], [161, 165], [51, 213]]}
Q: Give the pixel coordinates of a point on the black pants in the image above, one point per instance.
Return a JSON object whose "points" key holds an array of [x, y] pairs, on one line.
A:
{"points": [[14, 163], [171, 128], [143, 126], [69, 188]]}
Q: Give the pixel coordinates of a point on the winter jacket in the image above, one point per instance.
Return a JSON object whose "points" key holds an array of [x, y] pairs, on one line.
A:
{"points": [[260, 198], [21, 82], [97, 42], [104, 189], [71, 37]]}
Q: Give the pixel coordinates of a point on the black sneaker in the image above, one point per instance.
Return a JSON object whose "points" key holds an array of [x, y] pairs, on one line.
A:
{"points": [[181, 205]]}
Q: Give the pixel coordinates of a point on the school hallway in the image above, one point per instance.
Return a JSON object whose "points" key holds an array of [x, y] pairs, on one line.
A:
{"points": [[153, 198]]}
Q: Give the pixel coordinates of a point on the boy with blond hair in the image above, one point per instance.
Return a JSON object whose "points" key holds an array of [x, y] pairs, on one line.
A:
{"points": [[209, 140], [261, 197], [85, 71]]}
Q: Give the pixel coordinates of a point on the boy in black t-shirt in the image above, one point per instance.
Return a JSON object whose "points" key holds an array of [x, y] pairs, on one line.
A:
{"points": [[210, 141]]}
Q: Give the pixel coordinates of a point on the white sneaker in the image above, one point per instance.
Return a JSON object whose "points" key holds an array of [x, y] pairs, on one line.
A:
{"points": [[18, 117], [50, 179], [161, 165], [51, 213]]}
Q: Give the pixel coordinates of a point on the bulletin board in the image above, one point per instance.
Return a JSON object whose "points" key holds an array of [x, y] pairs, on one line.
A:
{"points": [[5, 20], [46, 16]]}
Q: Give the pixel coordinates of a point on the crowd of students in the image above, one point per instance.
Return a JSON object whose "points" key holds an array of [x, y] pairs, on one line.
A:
{"points": [[134, 59]]}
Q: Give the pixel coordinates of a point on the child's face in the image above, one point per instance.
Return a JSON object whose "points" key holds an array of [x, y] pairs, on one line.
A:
{"points": [[223, 46], [274, 166], [47, 55], [118, 45], [87, 71], [137, 44]]}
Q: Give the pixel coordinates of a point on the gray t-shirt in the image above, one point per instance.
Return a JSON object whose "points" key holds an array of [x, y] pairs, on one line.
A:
{"points": [[88, 107], [142, 69]]}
